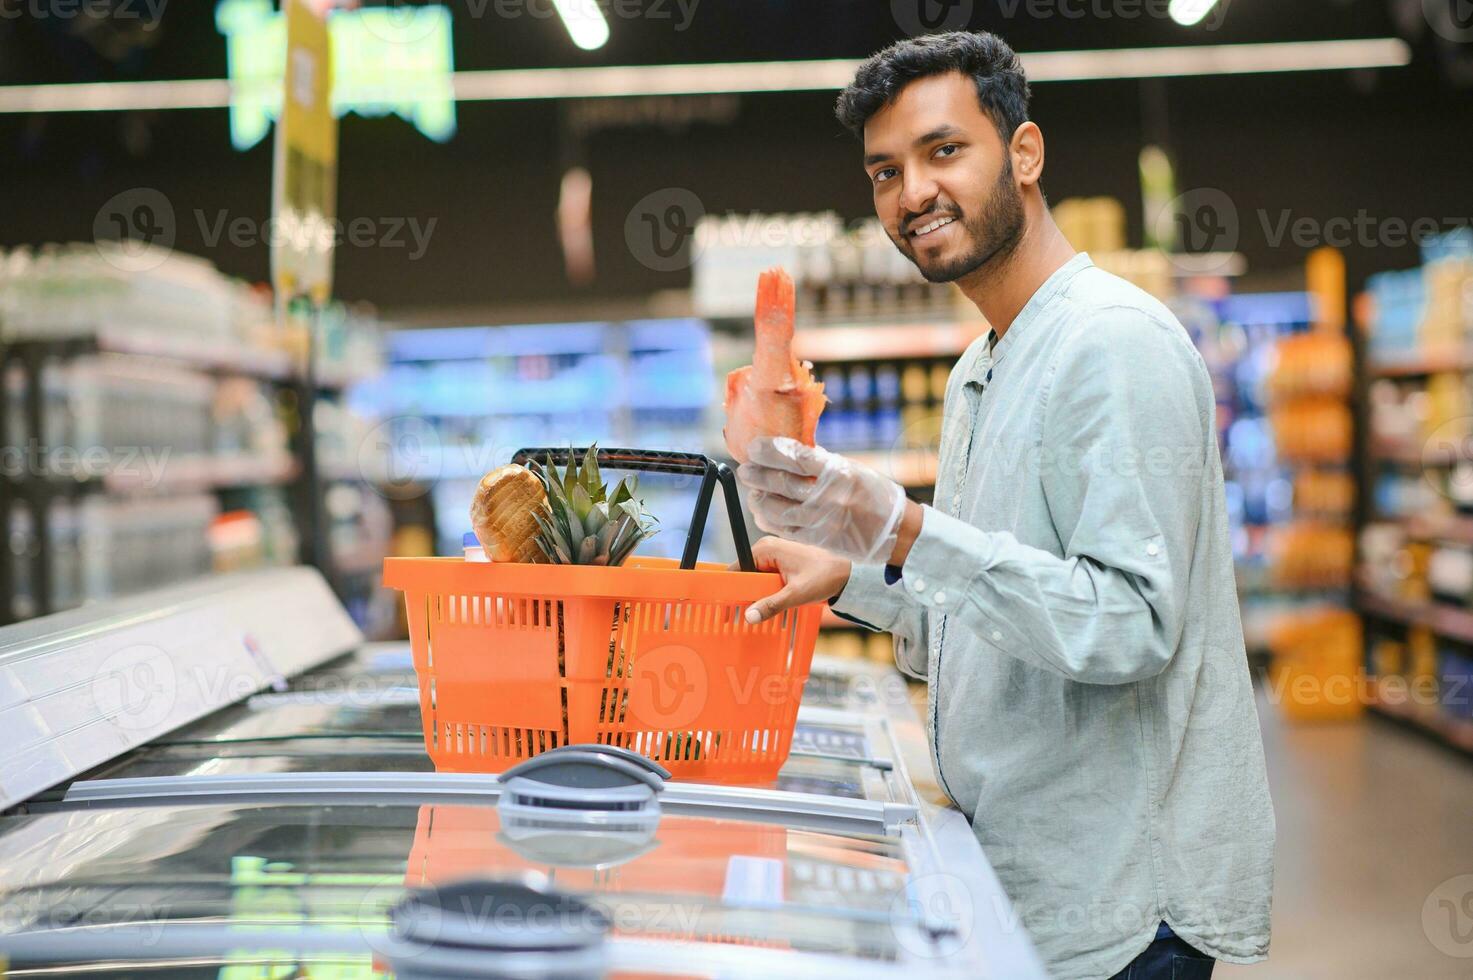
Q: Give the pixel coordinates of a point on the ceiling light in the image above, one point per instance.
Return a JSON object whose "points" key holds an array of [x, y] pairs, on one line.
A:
{"points": [[742, 77], [585, 22], [1189, 13]]}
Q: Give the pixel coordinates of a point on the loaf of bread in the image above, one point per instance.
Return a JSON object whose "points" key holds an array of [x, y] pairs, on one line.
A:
{"points": [[501, 514]]}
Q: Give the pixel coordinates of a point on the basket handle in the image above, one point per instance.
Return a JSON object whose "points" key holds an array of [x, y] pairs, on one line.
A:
{"points": [[659, 461]]}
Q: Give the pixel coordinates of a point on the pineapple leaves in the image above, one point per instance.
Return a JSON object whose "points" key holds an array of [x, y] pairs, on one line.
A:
{"points": [[582, 502], [581, 522]]}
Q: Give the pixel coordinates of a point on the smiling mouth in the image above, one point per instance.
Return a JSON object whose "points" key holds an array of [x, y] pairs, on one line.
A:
{"points": [[931, 227]]}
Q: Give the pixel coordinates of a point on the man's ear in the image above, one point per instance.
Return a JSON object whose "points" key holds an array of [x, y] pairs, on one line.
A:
{"points": [[1027, 151]]}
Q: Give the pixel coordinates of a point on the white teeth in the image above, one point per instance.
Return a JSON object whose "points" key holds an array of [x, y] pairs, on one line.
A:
{"points": [[927, 229]]}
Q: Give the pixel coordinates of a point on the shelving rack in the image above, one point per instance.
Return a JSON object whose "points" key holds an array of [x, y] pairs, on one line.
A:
{"points": [[1416, 528], [28, 353]]}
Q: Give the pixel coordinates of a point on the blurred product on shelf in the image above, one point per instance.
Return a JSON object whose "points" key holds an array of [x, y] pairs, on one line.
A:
{"points": [[1422, 679], [1392, 564], [1312, 365], [111, 414], [1314, 642], [278, 539], [140, 300], [1419, 320], [843, 272], [1308, 391], [135, 380], [1415, 568], [1310, 555], [1312, 430], [103, 547], [1325, 494], [1092, 224], [461, 401], [1097, 225], [1316, 670]]}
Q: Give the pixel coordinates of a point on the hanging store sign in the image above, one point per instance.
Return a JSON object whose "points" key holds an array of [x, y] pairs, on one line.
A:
{"points": [[389, 61], [305, 179]]}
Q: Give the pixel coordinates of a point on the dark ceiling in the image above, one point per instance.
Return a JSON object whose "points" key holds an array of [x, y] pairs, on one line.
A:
{"points": [[184, 43], [1322, 144]]}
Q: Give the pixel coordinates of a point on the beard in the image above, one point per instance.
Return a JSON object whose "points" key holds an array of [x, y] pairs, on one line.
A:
{"points": [[993, 234]]}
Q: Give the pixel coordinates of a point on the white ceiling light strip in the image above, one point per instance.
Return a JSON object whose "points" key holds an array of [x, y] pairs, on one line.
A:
{"points": [[201, 93], [1216, 59], [741, 77]]}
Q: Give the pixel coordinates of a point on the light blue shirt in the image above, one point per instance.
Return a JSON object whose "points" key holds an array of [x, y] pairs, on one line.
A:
{"points": [[1071, 602]]}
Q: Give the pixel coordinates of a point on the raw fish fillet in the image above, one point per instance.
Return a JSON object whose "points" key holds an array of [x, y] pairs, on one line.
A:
{"points": [[775, 395]]}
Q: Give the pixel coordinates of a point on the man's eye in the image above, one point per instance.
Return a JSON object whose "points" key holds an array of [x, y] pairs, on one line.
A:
{"points": [[948, 150], [883, 175]]}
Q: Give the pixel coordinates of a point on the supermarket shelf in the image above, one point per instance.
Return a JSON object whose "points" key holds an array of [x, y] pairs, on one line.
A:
{"points": [[1419, 363], [1446, 528], [363, 561], [1446, 621], [856, 343], [908, 467], [1411, 454], [1455, 733], [207, 473], [340, 379], [206, 353]]}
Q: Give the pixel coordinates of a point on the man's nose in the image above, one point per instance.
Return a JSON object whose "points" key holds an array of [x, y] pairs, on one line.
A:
{"points": [[918, 194]]}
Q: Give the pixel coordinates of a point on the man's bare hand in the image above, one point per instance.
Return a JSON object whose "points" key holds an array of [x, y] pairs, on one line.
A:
{"points": [[809, 575]]}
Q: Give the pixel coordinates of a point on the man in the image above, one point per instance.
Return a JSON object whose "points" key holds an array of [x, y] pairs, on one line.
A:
{"points": [[1070, 596]]}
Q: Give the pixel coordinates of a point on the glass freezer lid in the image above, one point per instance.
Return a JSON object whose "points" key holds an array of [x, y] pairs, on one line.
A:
{"points": [[691, 878], [823, 776]]}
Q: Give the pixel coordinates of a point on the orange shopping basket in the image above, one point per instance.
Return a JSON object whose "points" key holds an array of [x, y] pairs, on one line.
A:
{"points": [[655, 656]]}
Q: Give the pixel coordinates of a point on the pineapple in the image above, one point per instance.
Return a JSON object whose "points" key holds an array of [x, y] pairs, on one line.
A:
{"points": [[583, 523]]}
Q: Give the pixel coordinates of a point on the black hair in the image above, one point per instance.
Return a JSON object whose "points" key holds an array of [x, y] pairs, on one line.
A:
{"points": [[1002, 85]]}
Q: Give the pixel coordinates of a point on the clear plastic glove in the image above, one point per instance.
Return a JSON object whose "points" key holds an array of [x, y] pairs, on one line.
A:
{"points": [[816, 497]]}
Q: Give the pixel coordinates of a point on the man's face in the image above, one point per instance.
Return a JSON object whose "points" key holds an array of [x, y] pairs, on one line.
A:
{"points": [[943, 178]]}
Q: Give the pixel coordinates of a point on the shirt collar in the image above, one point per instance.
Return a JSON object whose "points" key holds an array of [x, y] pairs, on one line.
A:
{"points": [[1030, 314]]}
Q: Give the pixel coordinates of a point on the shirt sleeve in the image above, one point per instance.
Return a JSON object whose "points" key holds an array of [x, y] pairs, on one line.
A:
{"points": [[872, 599], [1121, 458]]}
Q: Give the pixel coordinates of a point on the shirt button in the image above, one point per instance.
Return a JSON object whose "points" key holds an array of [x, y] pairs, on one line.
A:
{"points": [[1153, 550], [920, 585], [939, 598], [997, 635]]}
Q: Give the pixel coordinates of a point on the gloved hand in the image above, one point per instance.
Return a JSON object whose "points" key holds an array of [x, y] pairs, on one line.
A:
{"points": [[811, 495]]}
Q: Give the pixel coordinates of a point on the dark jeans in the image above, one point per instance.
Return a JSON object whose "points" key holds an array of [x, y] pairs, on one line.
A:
{"points": [[1168, 958]]}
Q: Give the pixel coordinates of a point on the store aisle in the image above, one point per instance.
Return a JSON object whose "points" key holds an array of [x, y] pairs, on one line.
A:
{"points": [[1371, 820]]}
